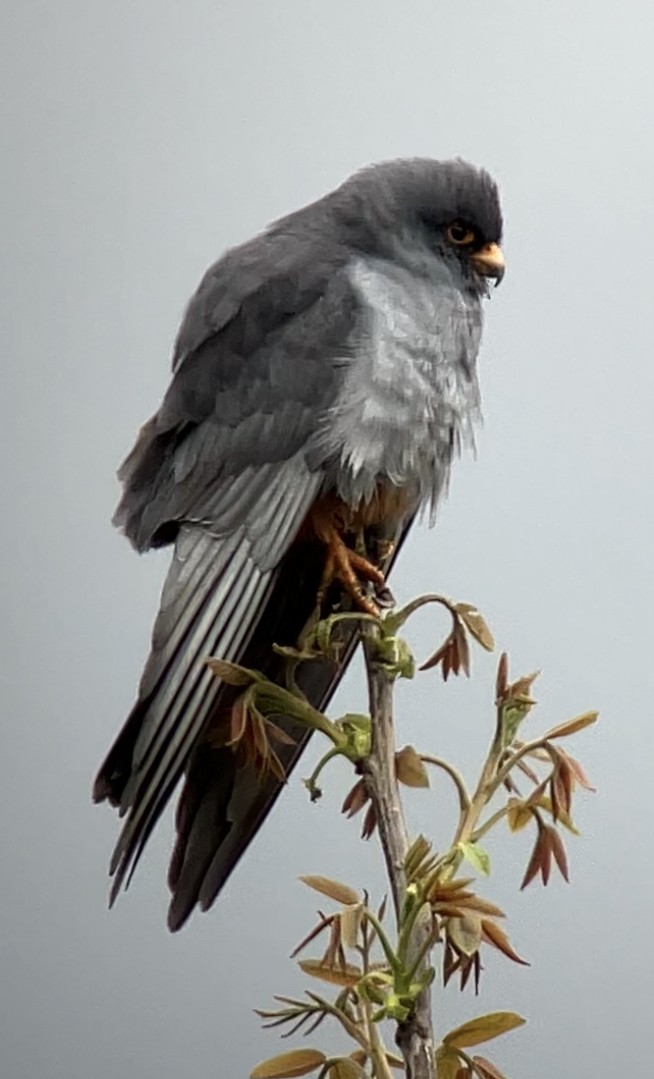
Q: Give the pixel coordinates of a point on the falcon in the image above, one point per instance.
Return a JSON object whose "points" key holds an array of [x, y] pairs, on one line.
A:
{"points": [[324, 377]]}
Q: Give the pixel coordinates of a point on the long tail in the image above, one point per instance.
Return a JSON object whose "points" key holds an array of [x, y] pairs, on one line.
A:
{"points": [[223, 803]]}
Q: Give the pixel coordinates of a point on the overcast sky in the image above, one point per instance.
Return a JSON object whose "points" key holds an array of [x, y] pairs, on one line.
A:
{"points": [[144, 136]]}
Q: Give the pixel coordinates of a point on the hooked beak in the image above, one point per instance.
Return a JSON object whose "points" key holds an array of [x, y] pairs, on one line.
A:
{"points": [[489, 262]]}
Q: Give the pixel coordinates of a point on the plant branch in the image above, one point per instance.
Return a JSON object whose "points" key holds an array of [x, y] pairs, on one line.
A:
{"points": [[414, 1036], [490, 823], [510, 763], [455, 776], [486, 787], [375, 1046]]}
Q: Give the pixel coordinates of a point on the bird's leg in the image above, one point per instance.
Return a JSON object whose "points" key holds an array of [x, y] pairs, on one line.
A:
{"points": [[367, 542], [384, 547], [350, 569], [346, 566]]}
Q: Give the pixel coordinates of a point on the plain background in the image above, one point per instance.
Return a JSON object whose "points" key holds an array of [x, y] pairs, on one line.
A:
{"points": [[141, 138]]}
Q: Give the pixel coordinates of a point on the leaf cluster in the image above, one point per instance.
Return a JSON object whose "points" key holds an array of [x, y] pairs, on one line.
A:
{"points": [[443, 925]]}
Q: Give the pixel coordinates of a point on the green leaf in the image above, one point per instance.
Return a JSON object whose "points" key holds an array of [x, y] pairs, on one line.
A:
{"points": [[357, 720], [405, 664], [477, 856], [356, 729], [482, 1029], [288, 1065]]}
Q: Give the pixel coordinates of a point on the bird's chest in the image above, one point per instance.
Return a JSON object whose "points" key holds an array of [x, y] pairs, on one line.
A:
{"points": [[410, 392]]}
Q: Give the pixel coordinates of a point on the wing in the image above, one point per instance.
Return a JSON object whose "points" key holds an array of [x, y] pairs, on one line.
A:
{"points": [[255, 368], [221, 471]]}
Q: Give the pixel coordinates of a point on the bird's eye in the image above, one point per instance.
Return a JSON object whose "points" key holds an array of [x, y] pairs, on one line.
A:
{"points": [[460, 234]]}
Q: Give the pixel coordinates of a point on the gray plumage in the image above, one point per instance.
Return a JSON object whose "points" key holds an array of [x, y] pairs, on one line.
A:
{"points": [[334, 352]]}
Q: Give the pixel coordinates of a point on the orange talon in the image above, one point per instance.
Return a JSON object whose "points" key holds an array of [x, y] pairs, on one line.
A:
{"points": [[328, 520], [349, 569]]}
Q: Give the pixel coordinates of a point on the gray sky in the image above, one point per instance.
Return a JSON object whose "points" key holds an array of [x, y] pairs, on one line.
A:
{"points": [[142, 138]]}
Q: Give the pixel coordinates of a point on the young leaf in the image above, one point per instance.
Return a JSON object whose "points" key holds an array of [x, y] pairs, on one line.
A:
{"points": [[278, 735], [231, 673], [558, 850], [482, 1029], [573, 725], [395, 1062], [448, 1063], [469, 901], [453, 655], [476, 625], [561, 787], [485, 1069], [341, 893], [369, 822], [409, 769], [355, 799], [477, 857], [518, 815], [543, 802], [351, 917], [465, 933], [502, 677], [346, 975], [493, 934], [578, 771], [313, 933], [418, 858], [346, 1068], [540, 860], [288, 1065]]}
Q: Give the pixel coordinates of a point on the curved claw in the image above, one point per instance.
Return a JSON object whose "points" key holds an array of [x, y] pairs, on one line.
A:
{"points": [[385, 597], [353, 571]]}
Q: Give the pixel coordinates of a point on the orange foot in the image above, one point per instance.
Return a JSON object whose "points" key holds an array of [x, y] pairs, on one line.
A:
{"points": [[351, 570]]}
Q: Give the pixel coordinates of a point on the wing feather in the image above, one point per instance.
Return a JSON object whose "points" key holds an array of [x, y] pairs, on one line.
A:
{"points": [[226, 472], [221, 590], [223, 804]]}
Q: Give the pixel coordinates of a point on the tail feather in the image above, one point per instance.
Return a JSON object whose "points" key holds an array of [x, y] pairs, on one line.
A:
{"points": [[180, 709], [216, 601], [223, 806]]}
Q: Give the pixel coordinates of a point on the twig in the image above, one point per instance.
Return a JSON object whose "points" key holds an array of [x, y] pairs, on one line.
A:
{"points": [[455, 776], [414, 1036], [374, 1044]]}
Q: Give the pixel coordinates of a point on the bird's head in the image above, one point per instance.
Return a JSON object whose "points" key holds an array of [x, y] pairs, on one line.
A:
{"points": [[450, 208]]}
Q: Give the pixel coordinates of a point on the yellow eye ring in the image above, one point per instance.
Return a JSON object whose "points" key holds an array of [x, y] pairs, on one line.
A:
{"points": [[460, 234]]}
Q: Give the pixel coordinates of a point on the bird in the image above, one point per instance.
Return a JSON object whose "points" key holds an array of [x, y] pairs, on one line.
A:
{"points": [[324, 378]]}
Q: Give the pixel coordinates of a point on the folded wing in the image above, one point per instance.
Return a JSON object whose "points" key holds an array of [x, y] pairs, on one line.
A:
{"points": [[221, 471]]}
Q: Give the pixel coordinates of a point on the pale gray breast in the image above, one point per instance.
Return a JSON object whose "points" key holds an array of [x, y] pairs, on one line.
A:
{"points": [[410, 396]]}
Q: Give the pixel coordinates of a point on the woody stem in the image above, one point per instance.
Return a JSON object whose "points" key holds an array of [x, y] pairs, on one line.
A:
{"points": [[414, 1036]]}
